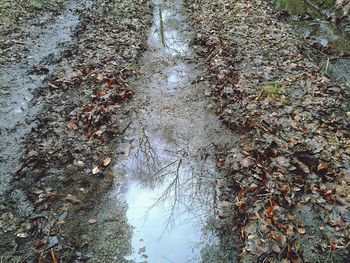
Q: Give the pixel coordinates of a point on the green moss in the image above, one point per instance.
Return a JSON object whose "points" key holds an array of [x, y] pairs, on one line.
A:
{"points": [[329, 3], [292, 6], [36, 5], [324, 3], [273, 90]]}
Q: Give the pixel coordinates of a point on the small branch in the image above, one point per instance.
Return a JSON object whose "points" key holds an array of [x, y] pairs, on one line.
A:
{"points": [[161, 26]]}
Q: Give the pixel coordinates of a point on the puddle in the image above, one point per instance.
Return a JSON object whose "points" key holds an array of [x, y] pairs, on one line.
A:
{"points": [[166, 171], [17, 84], [321, 31]]}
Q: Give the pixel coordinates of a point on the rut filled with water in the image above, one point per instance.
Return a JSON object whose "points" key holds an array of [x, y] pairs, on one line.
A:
{"points": [[166, 173]]}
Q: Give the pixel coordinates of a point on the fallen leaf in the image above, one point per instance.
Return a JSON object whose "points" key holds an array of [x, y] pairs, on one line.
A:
{"points": [[281, 240], [294, 140], [276, 248], [100, 77], [98, 133], [333, 246], [322, 166], [301, 230], [95, 170], [107, 161], [290, 230], [92, 221], [80, 164], [247, 162], [72, 126]]}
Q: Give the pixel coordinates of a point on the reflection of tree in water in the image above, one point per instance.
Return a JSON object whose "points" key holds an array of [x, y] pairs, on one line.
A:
{"points": [[169, 39], [146, 156], [187, 179]]}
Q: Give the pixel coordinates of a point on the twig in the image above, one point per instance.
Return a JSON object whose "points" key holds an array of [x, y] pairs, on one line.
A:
{"points": [[161, 26], [327, 65]]}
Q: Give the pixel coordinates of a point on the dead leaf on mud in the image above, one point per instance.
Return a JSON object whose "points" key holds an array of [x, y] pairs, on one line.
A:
{"points": [[79, 164], [301, 230], [322, 166], [72, 126], [92, 221], [107, 161], [281, 240], [95, 170], [100, 77]]}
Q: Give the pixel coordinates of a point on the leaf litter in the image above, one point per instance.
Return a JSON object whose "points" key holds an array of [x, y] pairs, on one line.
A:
{"points": [[66, 162], [289, 178]]}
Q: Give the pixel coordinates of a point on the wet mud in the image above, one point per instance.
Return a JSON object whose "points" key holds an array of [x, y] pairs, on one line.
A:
{"points": [[166, 167], [78, 75], [160, 178], [20, 79]]}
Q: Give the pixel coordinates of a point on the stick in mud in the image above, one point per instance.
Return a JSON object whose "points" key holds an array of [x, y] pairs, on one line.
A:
{"points": [[161, 26]]}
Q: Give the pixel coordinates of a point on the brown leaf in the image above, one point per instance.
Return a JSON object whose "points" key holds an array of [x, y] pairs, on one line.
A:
{"points": [[333, 246], [95, 170], [107, 161], [322, 166], [72, 126], [301, 230], [294, 140], [92, 221], [281, 240], [100, 77], [290, 230]]}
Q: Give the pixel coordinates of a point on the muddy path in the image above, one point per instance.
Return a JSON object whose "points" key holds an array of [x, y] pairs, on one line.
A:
{"points": [[123, 159], [41, 49], [167, 181], [75, 81]]}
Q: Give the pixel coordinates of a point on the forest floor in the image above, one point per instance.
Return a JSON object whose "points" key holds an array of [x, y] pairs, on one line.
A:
{"points": [[287, 192], [212, 134]]}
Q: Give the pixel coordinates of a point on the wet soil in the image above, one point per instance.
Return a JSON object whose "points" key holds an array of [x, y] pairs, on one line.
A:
{"points": [[40, 50], [114, 157], [77, 82]]}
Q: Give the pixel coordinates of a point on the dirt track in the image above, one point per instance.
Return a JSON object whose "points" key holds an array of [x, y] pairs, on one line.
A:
{"points": [[198, 136]]}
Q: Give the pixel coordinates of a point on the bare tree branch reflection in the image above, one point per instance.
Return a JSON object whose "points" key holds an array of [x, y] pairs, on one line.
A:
{"points": [[187, 180]]}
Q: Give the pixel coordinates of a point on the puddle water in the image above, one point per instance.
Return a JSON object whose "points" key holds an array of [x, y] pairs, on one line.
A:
{"points": [[322, 32], [17, 85], [166, 170]]}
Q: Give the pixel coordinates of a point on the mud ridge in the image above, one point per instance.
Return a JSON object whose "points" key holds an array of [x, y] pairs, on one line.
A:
{"points": [[64, 167]]}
